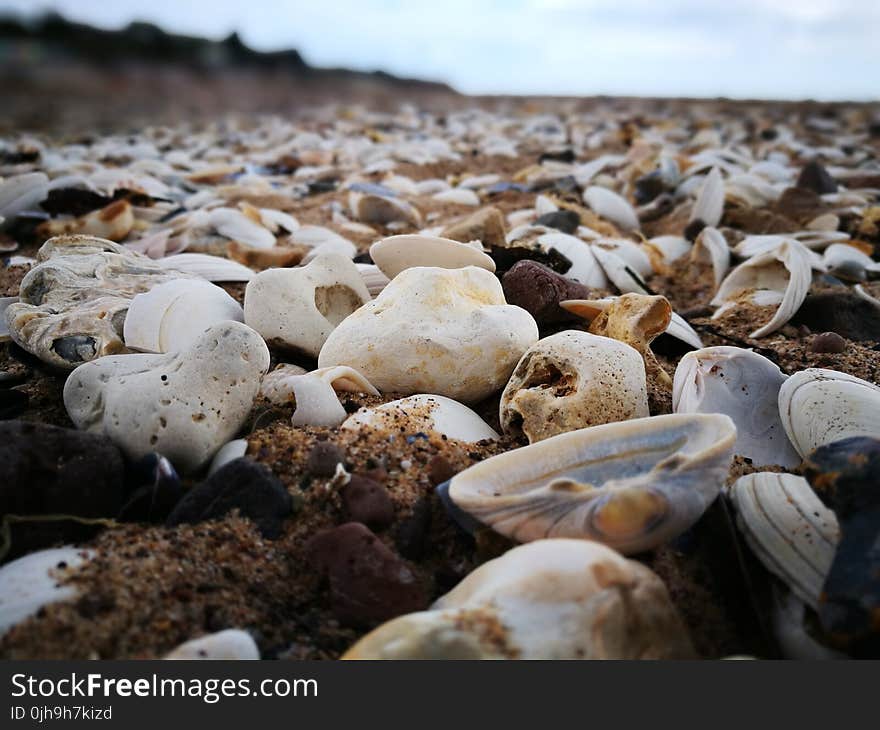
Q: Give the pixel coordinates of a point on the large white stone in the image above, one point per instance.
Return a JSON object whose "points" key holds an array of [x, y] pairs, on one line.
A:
{"points": [[433, 330]]}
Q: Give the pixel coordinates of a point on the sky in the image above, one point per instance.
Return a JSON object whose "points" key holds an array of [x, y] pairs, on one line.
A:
{"points": [[787, 49]]}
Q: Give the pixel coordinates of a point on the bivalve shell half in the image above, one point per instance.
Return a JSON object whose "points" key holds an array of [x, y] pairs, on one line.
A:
{"points": [[819, 406], [631, 485], [611, 206], [393, 255]]}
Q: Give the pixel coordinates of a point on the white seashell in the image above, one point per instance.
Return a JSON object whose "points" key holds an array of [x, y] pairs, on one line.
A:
{"points": [[315, 392], [337, 246], [543, 206], [788, 528], [276, 220], [230, 451], [666, 249], [860, 291], [479, 181], [374, 279], [184, 405], [709, 206], [784, 272], [298, 308], [224, 645], [681, 330], [632, 485], [827, 222], [711, 246], [457, 196], [848, 262], [551, 599], [212, 268], [618, 271], [393, 255], [22, 192], [4, 325], [424, 413], [235, 225], [572, 380], [585, 268], [819, 406], [443, 326], [611, 206], [29, 583], [789, 613], [172, 315], [743, 385]]}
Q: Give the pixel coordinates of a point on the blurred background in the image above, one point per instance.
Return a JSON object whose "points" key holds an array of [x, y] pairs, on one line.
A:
{"points": [[179, 58]]}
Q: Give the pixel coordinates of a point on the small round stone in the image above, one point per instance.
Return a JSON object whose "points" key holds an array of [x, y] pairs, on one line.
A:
{"points": [[365, 500], [828, 342], [323, 458]]}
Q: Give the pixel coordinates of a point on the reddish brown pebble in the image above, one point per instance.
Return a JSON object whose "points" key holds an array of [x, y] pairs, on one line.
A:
{"points": [[538, 290], [368, 582], [828, 342], [323, 458], [440, 470], [367, 501]]}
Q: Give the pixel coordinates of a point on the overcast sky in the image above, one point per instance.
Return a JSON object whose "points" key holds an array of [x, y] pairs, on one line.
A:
{"points": [[824, 49]]}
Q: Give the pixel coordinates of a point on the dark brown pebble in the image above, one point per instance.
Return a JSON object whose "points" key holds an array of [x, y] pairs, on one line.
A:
{"points": [[566, 221], [829, 342], [440, 470], [323, 458], [365, 500], [816, 178], [412, 534], [538, 290]]}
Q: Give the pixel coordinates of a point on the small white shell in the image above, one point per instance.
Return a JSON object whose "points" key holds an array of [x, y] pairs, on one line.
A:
{"points": [[788, 528], [4, 325], [619, 272], [585, 267], [20, 192], [712, 246], [224, 645], [425, 413], [236, 226], [172, 315], [848, 262], [631, 485], [611, 206], [681, 330], [743, 385], [819, 406], [230, 451], [458, 196], [709, 206], [396, 253], [212, 268], [373, 277]]}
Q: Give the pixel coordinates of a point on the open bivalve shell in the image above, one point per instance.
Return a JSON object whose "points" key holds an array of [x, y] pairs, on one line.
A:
{"points": [[609, 205], [743, 385], [631, 485], [711, 247], [779, 278], [552, 599], [819, 406], [396, 253], [788, 528]]}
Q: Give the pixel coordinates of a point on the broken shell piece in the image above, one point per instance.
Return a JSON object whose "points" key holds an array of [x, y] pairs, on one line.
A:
{"points": [[230, 451], [635, 319], [711, 247], [393, 255], [237, 226], [457, 196], [315, 392], [172, 315], [22, 192], [434, 330], [709, 206], [423, 413], [819, 406], [619, 272], [4, 326], [552, 599], [632, 485], [374, 279], [224, 645], [212, 268], [849, 263], [609, 205], [682, 331], [113, 222], [664, 250], [743, 385], [572, 380], [788, 528], [585, 268], [184, 405], [29, 583], [369, 208], [779, 278], [298, 308]]}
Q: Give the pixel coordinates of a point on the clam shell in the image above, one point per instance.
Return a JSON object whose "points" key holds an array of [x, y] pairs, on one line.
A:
{"points": [[743, 385], [172, 315], [237, 226], [420, 413], [619, 272], [393, 255], [457, 196], [611, 206], [788, 528], [782, 275], [212, 268], [374, 279], [848, 263], [711, 246], [21, 192], [585, 267], [632, 485], [551, 599], [709, 206], [230, 451], [819, 406]]}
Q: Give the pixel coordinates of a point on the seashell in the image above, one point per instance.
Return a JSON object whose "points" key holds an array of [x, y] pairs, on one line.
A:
{"points": [[710, 246], [212, 268], [681, 330], [34, 581], [113, 222], [551, 599], [826, 222], [779, 277], [788, 528], [315, 392], [544, 206], [277, 221], [224, 645], [848, 263], [4, 327], [235, 225], [172, 315], [374, 279], [337, 245], [457, 196], [22, 192], [369, 208], [709, 206], [424, 413], [618, 271], [185, 405], [632, 485], [571, 380], [396, 253], [444, 326], [585, 268], [230, 451], [789, 613], [635, 319], [611, 206], [298, 308], [485, 225], [743, 385], [664, 250], [819, 406]]}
